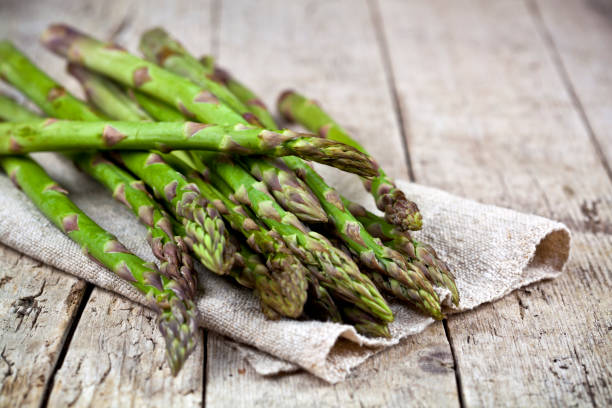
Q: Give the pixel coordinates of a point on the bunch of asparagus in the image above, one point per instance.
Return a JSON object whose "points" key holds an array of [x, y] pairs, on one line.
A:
{"points": [[201, 162]]}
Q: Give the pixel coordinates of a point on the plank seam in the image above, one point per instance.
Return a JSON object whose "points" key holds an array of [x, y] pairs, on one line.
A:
{"points": [[66, 344], [552, 48], [455, 364], [383, 46]]}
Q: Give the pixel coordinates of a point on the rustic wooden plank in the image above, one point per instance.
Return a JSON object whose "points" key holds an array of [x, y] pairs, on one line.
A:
{"points": [[329, 51], [117, 358], [417, 372], [580, 34], [489, 118], [39, 304]]}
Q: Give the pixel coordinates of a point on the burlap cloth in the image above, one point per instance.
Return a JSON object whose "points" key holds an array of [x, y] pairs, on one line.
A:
{"points": [[491, 250]]}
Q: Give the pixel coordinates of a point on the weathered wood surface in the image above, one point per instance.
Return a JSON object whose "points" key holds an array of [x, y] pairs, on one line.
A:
{"points": [[490, 118], [117, 358], [38, 305], [505, 102]]}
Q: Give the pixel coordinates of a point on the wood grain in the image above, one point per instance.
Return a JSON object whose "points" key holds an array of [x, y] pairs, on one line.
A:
{"points": [[117, 358], [38, 306], [580, 34], [490, 118], [417, 372], [328, 51]]}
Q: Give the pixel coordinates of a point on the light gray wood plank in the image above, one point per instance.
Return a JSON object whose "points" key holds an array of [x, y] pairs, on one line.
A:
{"points": [[489, 118], [328, 51], [38, 306], [580, 34], [417, 372], [117, 358]]}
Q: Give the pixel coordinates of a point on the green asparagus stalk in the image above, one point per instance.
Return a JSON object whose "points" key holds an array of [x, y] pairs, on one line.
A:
{"points": [[420, 254], [177, 313], [364, 323], [370, 252], [155, 108], [284, 289], [129, 70], [246, 96], [111, 100], [47, 94], [320, 304], [62, 135], [172, 252], [100, 91], [334, 269], [290, 192], [201, 219], [11, 111], [389, 199], [158, 47], [35, 84]]}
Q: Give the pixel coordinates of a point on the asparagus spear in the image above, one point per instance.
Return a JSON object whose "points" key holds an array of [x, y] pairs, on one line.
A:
{"points": [[200, 217], [129, 70], [336, 271], [116, 135], [48, 95], [419, 253], [365, 323], [155, 108], [371, 253], [246, 96], [11, 111], [389, 199], [158, 47], [30, 80], [289, 190], [106, 95], [177, 313], [284, 290], [175, 261]]}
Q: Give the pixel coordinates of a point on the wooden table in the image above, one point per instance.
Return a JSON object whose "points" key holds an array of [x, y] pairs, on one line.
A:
{"points": [[506, 102]]}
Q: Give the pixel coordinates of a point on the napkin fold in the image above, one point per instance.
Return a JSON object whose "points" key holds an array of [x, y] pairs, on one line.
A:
{"points": [[491, 250]]}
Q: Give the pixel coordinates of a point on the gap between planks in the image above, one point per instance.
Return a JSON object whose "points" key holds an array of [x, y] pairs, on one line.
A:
{"points": [[555, 55]]}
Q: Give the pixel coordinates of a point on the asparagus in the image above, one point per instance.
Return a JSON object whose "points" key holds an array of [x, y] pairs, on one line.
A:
{"points": [[420, 254], [371, 253], [284, 289], [155, 108], [11, 111], [48, 95], [129, 70], [365, 323], [201, 219], [334, 269], [177, 313], [30, 80], [289, 190], [389, 199], [243, 93], [158, 47], [62, 135], [171, 250], [320, 304], [106, 95]]}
